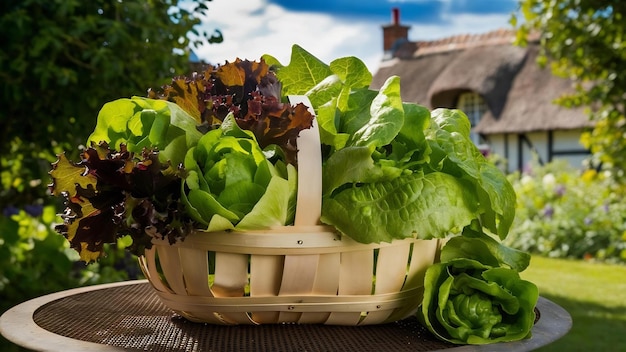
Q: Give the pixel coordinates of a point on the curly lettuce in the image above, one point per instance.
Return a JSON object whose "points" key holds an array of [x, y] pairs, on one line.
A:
{"points": [[111, 194], [247, 90]]}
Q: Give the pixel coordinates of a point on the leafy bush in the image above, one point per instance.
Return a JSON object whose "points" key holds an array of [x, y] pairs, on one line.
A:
{"points": [[35, 260], [25, 242], [562, 212], [78, 55]]}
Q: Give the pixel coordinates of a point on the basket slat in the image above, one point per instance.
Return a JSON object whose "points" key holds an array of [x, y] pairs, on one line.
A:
{"points": [[195, 267], [231, 275], [299, 274], [355, 278], [342, 304], [391, 272], [147, 263], [377, 317], [341, 318], [172, 270], [391, 268], [327, 279], [265, 278], [237, 318], [231, 279], [298, 278], [326, 283], [198, 316], [423, 255], [356, 273], [265, 274], [313, 318]]}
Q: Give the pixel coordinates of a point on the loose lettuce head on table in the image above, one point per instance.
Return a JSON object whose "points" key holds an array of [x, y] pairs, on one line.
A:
{"points": [[475, 294]]}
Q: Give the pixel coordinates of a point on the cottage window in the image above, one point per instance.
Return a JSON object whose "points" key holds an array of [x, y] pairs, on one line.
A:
{"points": [[474, 106]]}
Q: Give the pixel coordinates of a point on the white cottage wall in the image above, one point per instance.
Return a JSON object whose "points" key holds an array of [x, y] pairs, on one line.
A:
{"points": [[517, 150]]}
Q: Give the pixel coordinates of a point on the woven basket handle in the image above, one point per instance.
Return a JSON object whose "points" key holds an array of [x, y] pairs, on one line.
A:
{"points": [[309, 198]]}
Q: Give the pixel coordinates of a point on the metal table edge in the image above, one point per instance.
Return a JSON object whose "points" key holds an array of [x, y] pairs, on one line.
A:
{"points": [[17, 325]]}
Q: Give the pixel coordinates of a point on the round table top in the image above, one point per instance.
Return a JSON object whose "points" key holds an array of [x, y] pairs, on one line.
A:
{"points": [[129, 316]]}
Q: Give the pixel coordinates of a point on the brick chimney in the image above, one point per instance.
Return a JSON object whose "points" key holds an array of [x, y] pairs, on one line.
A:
{"points": [[394, 32]]}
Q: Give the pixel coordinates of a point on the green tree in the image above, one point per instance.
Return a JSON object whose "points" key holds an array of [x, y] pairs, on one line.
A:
{"points": [[584, 40], [62, 59]]}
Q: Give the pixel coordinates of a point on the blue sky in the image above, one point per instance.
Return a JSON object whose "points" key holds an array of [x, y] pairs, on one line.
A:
{"points": [[422, 11], [330, 29]]}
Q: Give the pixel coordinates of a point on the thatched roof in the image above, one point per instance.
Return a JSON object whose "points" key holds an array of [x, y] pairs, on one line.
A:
{"points": [[517, 91]]}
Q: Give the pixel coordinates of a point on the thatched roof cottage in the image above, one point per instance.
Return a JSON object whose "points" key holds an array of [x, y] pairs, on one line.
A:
{"points": [[506, 95]]}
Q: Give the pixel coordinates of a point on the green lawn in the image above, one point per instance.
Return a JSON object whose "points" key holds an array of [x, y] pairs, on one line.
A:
{"points": [[595, 296]]}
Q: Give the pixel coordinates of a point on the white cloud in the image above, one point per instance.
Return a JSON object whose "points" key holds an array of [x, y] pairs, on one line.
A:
{"points": [[252, 28], [260, 28]]}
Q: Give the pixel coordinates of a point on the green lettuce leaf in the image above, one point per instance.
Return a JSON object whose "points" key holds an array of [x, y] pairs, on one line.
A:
{"points": [[453, 152], [322, 83], [347, 166], [304, 71], [475, 244], [413, 205], [146, 123], [381, 122], [272, 209]]}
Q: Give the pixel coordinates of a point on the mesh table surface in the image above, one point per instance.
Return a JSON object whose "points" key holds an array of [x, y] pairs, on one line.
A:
{"points": [[132, 317]]}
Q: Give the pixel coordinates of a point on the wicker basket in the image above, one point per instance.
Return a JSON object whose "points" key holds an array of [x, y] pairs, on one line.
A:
{"points": [[306, 273]]}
